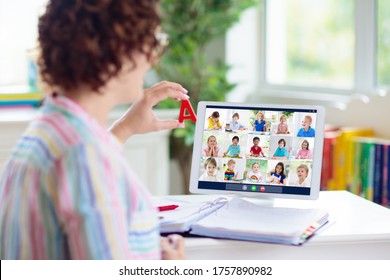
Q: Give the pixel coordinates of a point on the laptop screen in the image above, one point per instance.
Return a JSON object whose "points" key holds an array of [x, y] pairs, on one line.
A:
{"points": [[258, 149]]}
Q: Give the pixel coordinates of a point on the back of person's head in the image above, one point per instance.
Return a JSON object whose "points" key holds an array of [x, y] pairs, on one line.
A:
{"points": [[85, 43]]}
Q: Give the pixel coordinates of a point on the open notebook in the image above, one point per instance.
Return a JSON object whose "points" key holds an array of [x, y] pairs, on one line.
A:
{"points": [[182, 218], [243, 220]]}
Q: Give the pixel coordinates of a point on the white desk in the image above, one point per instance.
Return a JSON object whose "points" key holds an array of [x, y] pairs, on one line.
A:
{"points": [[359, 229]]}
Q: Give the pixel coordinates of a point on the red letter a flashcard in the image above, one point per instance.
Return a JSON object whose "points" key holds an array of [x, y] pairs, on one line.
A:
{"points": [[186, 105]]}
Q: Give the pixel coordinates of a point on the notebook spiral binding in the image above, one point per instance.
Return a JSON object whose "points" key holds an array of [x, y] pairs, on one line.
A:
{"points": [[220, 201]]}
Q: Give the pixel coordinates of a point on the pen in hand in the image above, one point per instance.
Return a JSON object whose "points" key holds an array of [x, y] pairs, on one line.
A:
{"points": [[173, 240]]}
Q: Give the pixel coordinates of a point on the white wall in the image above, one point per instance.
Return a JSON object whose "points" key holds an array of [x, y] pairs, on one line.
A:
{"points": [[18, 24], [375, 114]]}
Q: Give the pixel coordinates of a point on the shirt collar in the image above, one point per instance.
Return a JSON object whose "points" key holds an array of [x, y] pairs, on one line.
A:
{"points": [[65, 105]]}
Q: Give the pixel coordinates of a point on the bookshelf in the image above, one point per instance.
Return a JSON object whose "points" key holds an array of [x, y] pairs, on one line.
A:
{"points": [[356, 161]]}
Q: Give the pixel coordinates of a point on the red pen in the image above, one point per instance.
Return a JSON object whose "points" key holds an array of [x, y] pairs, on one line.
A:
{"points": [[167, 207]]}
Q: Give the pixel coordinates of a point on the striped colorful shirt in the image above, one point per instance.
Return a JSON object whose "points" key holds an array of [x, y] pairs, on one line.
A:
{"points": [[68, 192]]}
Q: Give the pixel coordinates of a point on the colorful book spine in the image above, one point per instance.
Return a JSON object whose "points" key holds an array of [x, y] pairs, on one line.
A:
{"points": [[378, 173], [367, 169], [19, 96], [363, 169], [12, 103], [372, 169], [386, 186], [343, 157], [356, 186], [385, 172], [327, 155]]}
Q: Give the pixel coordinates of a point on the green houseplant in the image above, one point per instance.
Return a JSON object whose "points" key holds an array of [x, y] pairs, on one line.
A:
{"points": [[192, 25]]}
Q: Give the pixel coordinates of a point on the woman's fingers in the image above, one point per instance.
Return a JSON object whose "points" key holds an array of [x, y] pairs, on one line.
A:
{"points": [[156, 96], [164, 90], [172, 85]]}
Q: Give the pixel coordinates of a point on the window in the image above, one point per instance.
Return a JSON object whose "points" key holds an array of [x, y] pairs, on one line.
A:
{"points": [[383, 37], [18, 34], [310, 43], [327, 51]]}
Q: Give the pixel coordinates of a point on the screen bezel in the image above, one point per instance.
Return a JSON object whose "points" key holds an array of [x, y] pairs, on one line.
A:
{"points": [[317, 152]]}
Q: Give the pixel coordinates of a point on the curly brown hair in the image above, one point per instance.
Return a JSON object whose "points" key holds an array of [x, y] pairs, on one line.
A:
{"points": [[84, 42]]}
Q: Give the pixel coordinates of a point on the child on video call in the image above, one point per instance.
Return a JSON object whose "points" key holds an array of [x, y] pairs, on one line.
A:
{"points": [[235, 124], [210, 165], [259, 123], [306, 130], [229, 173], [282, 126], [68, 190], [256, 150], [278, 176], [304, 152], [213, 121], [211, 149], [281, 151], [254, 175], [302, 173], [233, 149]]}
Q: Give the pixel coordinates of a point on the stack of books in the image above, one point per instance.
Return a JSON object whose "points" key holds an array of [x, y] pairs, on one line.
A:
{"points": [[338, 156], [371, 169], [19, 97]]}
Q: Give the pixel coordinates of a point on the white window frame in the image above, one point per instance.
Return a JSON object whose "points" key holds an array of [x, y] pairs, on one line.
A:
{"points": [[364, 80]]}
